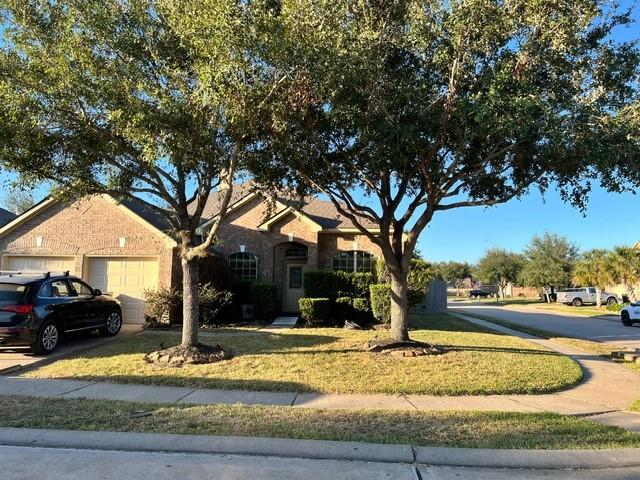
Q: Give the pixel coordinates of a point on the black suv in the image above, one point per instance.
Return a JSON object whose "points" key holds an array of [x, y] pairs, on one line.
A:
{"points": [[480, 293], [36, 309]]}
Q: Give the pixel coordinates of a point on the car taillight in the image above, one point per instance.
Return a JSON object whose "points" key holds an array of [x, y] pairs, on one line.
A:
{"points": [[23, 309]]}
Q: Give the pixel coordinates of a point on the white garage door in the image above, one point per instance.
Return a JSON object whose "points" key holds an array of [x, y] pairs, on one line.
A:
{"points": [[127, 278], [40, 264]]}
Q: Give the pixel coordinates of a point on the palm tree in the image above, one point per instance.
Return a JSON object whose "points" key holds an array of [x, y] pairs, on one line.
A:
{"points": [[624, 264], [593, 269]]}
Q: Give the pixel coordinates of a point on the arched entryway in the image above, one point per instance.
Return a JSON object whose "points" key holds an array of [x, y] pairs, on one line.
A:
{"points": [[291, 259]]}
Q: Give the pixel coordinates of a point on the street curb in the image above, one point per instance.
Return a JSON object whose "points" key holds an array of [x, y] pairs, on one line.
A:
{"points": [[253, 446], [321, 449]]}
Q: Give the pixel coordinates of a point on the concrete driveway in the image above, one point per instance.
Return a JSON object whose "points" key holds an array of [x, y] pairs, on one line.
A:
{"points": [[599, 329], [13, 359]]}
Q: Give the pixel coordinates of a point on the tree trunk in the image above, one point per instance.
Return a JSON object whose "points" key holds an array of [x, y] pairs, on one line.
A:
{"points": [[399, 313], [598, 298], [190, 302]]}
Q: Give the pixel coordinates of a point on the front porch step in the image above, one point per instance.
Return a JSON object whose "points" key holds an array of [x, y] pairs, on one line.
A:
{"points": [[289, 321]]}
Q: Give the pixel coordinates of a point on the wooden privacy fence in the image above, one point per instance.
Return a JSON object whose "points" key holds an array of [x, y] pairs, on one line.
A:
{"points": [[435, 301]]}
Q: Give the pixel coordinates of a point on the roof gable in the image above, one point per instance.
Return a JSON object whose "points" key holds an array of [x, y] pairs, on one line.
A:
{"points": [[321, 215], [133, 209]]}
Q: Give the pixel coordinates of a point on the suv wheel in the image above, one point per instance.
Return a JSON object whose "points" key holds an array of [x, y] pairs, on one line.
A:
{"points": [[612, 301], [577, 302], [626, 319], [47, 339], [113, 324]]}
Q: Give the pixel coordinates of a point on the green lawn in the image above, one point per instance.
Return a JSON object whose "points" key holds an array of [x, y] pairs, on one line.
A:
{"points": [[330, 360], [447, 429]]}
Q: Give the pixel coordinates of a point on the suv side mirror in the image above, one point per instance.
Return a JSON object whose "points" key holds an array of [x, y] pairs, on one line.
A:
{"points": [[97, 292]]}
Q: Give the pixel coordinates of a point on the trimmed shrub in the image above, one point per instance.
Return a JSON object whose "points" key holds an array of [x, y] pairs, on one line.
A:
{"points": [[264, 297], [212, 302], [361, 282], [616, 307], [241, 290], [315, 311], [162, 306], [343, 309], [381, 302], [336, 284], [362, 310], [318, 284]]}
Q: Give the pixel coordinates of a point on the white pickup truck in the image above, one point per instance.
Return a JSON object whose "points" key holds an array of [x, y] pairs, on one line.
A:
{"points": [[630, 314], [580, 296]]}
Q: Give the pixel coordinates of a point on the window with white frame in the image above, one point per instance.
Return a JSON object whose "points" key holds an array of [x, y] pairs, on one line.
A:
{"points": [[353, 262], [244, 265]]}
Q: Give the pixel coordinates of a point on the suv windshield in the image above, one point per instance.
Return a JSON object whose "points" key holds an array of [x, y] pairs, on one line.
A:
{"points": [[10, 292]]}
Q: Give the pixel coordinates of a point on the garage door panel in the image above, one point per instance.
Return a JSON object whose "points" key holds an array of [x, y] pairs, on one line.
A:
{"points": [[40, 264], [127, 278]]}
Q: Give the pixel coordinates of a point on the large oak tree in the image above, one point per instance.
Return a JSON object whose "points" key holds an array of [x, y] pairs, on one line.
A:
{"points": [[119, 97], [399, 110]]}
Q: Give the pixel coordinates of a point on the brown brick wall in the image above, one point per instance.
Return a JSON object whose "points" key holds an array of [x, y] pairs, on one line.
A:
{"points": [[240, 228], [329, 244], [89, 227]]}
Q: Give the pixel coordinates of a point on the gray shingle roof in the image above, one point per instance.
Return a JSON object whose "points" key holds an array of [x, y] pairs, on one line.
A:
{"points": [[151, 215], [323, 212], [5, 216]]}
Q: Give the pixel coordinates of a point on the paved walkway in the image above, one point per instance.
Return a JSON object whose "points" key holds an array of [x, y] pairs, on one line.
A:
{"points": [[606, 390]]}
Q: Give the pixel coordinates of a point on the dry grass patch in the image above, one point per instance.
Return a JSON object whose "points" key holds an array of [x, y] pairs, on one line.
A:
{"points": [[331, 360], [446, 429]]}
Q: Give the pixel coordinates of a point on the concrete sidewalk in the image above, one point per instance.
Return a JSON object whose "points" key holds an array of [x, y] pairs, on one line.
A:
{"points": [[607, 389]]}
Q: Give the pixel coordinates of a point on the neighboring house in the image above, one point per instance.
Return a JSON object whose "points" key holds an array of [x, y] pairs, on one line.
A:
{"points": [[122, 248], [5, 216]]}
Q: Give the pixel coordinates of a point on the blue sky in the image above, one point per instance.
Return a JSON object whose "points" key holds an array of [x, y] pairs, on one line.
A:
{"points": [[465, 234]]}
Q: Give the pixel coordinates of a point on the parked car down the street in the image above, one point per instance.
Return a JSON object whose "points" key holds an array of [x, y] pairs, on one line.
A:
{"points": [[586, 295], [480, 294], [36, 309], [630, 314]]}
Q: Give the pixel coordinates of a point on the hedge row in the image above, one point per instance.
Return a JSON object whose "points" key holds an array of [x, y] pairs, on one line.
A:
{"points": [[334, 284], [326, 312]]}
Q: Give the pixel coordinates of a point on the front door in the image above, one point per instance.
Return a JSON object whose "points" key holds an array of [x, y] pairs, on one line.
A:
{"points": [[293, 287]]}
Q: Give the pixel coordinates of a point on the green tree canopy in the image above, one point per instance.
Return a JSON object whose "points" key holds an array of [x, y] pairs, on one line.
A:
{"points": [[119, 97], [430, 106], [593, 270], [624, 265], [549, 262], [455, 273], [500, 267]]}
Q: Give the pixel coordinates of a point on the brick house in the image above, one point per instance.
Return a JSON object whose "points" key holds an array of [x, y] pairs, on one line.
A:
{"points": [[122, 247]]}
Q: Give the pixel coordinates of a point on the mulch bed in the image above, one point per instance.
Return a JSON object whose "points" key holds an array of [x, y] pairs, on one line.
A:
{"points": [[409, 348], [179, 355]]}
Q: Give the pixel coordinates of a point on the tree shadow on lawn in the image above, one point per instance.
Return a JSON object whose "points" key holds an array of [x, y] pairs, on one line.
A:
{"points": [[256, 345], [517, 350]]}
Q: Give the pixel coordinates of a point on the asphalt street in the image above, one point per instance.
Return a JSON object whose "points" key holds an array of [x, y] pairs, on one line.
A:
{"points": [[26, 463], [600, 329]]}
